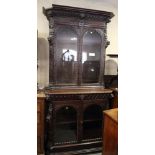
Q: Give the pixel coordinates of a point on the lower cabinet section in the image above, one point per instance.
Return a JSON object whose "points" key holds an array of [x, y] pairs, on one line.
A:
{"points": [[74, 121]]}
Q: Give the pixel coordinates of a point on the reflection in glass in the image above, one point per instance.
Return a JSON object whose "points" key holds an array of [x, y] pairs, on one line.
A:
{"points": [[91, 53], [69, 55], [66, 56]]}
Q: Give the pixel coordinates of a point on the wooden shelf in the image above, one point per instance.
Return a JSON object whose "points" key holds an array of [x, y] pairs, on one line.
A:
{"points": [[92, 120], [72, 122], [65, 122]]}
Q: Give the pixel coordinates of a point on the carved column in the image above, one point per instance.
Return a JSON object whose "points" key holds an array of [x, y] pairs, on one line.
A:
{"points": [[51, 50]]}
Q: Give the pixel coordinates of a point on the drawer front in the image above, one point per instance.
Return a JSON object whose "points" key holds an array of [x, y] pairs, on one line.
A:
{"points": [[60, 104]]}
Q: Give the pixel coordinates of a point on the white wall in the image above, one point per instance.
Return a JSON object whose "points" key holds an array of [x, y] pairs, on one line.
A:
{"points": [[43, 29]]}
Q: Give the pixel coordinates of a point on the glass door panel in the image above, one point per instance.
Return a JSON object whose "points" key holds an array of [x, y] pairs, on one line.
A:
{"points": [[66, 125], [92, 122], [66, 56], [91, 54]]}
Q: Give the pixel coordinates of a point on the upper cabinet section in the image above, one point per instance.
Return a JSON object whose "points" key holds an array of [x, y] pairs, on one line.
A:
{"points": [[77, 43]]}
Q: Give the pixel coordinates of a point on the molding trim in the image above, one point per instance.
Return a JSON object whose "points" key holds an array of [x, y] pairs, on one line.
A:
{"points": [[81, 13]]}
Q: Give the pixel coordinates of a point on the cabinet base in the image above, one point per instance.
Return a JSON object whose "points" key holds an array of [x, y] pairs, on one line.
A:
{"points": [[75, 149]]}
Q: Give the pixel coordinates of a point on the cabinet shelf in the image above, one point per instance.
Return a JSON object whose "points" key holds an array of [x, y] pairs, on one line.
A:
{"points": [[66, 122], [74, 122], [92, 120]]}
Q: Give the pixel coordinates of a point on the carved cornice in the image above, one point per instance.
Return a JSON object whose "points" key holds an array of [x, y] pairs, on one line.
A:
{"points": [[81, 13]]}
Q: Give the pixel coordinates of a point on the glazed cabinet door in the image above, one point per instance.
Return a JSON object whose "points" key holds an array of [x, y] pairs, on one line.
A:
{"points": [[66, 55], [65, 123], [92, 56]]}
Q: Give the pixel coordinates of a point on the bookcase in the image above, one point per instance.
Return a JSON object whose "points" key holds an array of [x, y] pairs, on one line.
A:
{"points": [[76, 95]]}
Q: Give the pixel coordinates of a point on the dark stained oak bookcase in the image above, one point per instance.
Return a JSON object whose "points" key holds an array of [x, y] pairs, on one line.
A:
{"points": [[76, 95]]}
